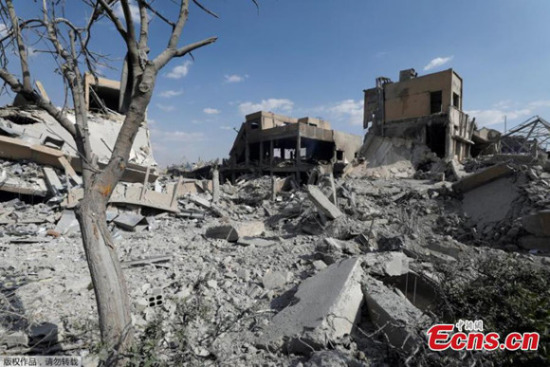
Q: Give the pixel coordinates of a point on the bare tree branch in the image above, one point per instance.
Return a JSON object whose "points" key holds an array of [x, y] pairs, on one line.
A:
{"points": [[36, 98], [27, 85], [193, 46], [182, 19], [116, 21], [158, 14], [208, 11], [144, 28]]}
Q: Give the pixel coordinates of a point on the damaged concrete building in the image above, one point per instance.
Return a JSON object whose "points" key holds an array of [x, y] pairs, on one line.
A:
{"points": [[272, 143], [426, 109]]}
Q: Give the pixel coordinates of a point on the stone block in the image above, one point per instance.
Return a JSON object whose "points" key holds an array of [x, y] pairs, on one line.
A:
{"points": [[326, 308]]}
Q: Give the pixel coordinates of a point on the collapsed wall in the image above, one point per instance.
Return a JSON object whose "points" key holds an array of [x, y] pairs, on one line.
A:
{"points": [[37, 127]]}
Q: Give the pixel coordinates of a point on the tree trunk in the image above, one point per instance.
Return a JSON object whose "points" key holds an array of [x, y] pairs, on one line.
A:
{"points": [[107, 277]]}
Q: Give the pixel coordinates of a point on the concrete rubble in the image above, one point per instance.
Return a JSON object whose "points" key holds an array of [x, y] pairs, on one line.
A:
{"points": [[343, 267], [326, 308]]}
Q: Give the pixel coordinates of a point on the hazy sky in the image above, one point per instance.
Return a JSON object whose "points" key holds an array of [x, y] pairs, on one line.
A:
{"points": [[315, 57]]}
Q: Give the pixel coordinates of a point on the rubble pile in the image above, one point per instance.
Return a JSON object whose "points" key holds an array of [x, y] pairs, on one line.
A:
{"points": [[345, 271]]}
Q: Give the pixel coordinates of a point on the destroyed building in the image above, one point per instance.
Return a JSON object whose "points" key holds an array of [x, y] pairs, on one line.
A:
{"points": [[351, 270], [271, 143], [426, 109]]}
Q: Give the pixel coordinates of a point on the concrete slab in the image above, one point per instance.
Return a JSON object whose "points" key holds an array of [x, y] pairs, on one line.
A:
{"points": [[128, 221], [254, 241], [52, 180], [398, 318], [233, 231], [326, 308], [323, 203], [68, 223], [491, 202], [449, 247], [482, 177]]}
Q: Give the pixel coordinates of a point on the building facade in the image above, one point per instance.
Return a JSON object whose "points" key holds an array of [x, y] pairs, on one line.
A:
{"points": [[427, 109]]}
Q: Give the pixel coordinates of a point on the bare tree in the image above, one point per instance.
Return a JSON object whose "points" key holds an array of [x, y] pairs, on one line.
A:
{"points": [[70, 47]]}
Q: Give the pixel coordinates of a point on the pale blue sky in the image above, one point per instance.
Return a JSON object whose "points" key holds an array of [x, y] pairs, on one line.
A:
{"points": [[315, 57]]}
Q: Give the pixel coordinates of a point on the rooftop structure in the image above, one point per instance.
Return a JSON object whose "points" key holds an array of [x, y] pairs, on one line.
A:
{"points": [[427, 109], [272, 143]]}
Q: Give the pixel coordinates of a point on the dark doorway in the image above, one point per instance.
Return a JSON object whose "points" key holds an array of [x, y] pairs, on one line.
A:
{"points": [[436, 101], [435, 139]]}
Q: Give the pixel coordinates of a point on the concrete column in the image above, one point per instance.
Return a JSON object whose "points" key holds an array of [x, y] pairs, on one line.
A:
{"points": [[298, 157], [333, 188], [215, 184], [273, 193], [449, 150], [271, 153], [298, 147], [261, 160]]}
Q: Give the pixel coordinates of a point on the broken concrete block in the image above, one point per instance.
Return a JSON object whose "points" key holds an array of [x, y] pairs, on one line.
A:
{"points": [[482, 177], [330, 248], [326, 308], [68, 223], [207, 205], [232, 232], [128, 221], [319, 265], [274, 280], [52, 180], [15, 339], [449, 247], [397, 317], [537, 224], [387, 263], [323, 203], [110, 215], [254, 241]]}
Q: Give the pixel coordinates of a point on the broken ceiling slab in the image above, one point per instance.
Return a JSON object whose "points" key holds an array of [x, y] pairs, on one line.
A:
{"points": [[491, 202], [323, 203], [326, 308], [128, 220], [54, 184], [394, 314], [35, 126], [482, 177], [207, 205], [20, 186], [135, 194], [17, 150]]}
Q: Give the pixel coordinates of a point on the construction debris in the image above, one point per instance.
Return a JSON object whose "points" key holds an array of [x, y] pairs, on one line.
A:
{"points": [[399, 319], [327, 307], [323, 203], [232, 232], [260, 268]]}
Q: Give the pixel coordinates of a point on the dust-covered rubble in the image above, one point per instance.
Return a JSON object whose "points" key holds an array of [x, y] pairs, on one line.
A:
{"points": [[261, 277]]}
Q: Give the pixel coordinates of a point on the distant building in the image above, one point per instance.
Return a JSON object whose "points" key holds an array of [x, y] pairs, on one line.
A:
{"points": [[427, 109], [272, 143]]}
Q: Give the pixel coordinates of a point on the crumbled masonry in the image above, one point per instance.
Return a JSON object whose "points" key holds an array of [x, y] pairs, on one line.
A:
{"points": [[329, 266]]}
